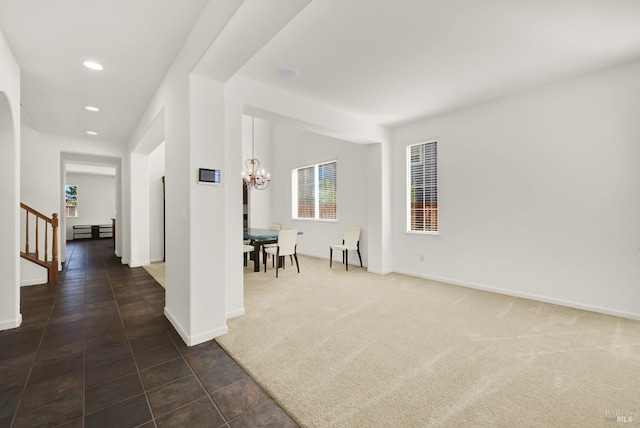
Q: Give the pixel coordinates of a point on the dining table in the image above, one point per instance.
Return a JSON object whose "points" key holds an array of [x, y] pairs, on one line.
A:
{"points": [[258, 238]]}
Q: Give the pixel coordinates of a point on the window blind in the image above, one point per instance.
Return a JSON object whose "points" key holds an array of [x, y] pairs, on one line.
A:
{"points": [[306, 192], [314, 191], [422, 170], [327, 190]]}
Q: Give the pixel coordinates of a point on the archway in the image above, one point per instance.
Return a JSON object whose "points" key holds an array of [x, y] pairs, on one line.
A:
{"points": [[9, 247]]}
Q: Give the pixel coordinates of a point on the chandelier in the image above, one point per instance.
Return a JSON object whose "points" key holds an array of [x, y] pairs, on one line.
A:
{"points": [[254, 177]]}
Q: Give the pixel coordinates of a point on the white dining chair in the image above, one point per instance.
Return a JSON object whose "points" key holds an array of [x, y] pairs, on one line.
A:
{"points": [[246, 250], [350, 242], [286, 246], [274, 226]]}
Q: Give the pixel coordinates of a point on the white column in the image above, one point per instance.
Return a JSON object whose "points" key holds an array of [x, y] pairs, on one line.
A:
{"points": [[139, 200], [234, 293], [207, 205], [379, 208]]}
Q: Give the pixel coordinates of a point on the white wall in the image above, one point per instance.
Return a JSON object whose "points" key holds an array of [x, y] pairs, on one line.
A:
{"points": [[156, 220], [139, 203], [194, 128], [96, 200], [172, 100], [206, 218], [259, 207], [296, 148], [42, 179], [40, 189], [244, 96], [10, 316], [539, 195]]}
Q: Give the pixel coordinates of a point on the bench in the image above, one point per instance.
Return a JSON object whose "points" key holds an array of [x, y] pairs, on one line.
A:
{"points": [[95, 231]]}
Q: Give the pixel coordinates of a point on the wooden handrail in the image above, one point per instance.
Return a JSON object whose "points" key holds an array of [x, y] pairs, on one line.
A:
{"points": [[50, 223], [34, 212]]}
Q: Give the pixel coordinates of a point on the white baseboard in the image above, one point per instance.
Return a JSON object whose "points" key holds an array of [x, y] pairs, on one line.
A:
{"points": [[9, 324], [139, 263], [155, 260], [183, 334], [235, 313], [36, 281], [536, 297], [198, 338], [208, 335], [352, 262], [380, 272]]}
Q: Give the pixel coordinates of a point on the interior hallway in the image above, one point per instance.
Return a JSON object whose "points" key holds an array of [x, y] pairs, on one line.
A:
{"points": [[97, 351]]}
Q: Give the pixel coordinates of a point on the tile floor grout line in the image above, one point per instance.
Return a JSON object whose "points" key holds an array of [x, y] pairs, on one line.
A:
{"points": [[190, 369], [197, 378], [209, 395], [199, 398], [61, 281], [84, 356], [35, 358], [187, 363], [144, 391], [91, 274]]}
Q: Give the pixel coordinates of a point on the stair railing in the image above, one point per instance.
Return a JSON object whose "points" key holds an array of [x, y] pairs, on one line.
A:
{"points": [[33, 253]]}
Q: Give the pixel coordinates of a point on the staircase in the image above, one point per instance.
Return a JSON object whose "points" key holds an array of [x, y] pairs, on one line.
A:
{"points": [[36, 251]]}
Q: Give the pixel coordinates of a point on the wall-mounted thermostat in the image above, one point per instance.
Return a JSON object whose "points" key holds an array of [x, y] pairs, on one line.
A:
{"points": [[208, 176]]}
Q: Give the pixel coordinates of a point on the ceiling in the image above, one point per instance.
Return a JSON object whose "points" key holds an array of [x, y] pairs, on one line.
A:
{"points": [[135, 40], [398, 61], [391, 62]]}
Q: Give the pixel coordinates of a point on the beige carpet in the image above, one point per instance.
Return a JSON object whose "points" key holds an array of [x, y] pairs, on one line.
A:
{"points": [[157, 271], [354, 349]]}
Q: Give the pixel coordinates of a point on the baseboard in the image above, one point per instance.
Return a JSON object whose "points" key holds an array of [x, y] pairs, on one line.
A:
{"points": [[29, 282], [208, 335], [325, 257], [235, 313], [9, 324], [139, 263], [198, 338], [380, 272], [155, 260], [536, 297], [176, 325]]}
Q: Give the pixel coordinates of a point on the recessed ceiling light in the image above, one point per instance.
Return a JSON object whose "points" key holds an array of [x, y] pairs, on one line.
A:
{"points": [[93, 65], [91, 108], [288, 73], [92, 133]]}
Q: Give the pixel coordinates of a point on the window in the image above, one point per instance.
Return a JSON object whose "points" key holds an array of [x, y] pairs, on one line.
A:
{"points": [[71, 200], [314, 191], [422, 187]]}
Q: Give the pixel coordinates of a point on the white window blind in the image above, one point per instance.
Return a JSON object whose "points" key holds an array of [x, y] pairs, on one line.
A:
{"points": [[327, 190], [307, 192], [314, 191], [422, 175]]}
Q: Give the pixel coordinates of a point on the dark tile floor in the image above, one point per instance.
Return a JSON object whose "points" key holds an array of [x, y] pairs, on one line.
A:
{"points": [[97, 351]]}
